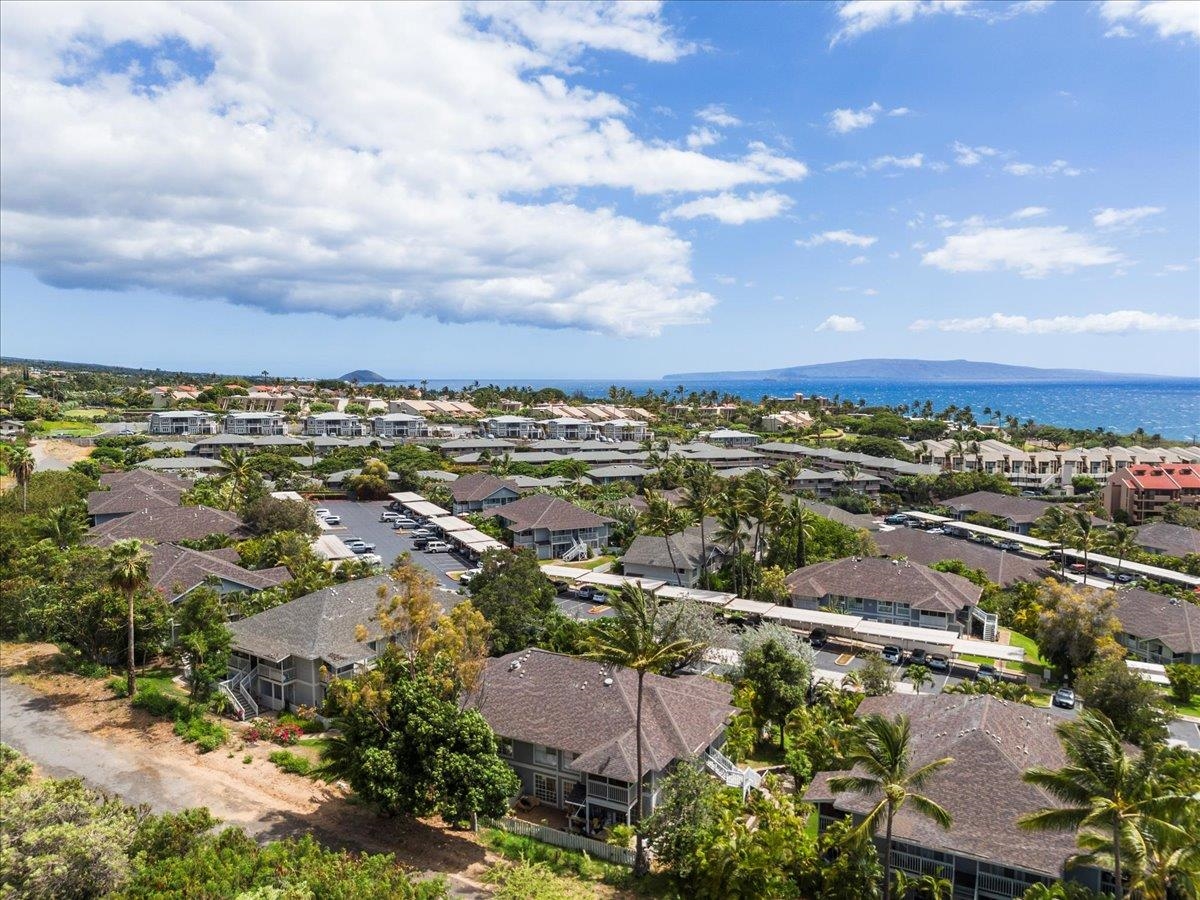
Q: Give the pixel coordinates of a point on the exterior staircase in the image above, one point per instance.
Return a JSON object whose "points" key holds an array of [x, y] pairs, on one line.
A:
{"points": [[578, 551], [236, 689], [730, 773]]}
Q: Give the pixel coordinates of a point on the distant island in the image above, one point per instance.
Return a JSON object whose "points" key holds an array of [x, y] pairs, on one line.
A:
{"points": [[917, 370], [362, 376]]}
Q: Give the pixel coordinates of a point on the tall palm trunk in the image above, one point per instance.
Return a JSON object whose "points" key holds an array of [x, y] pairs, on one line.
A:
{"points": [[674, 567], [703, 555], [130, 682], [639, 860], [1117, 857], [800, 549], [887, 857]]}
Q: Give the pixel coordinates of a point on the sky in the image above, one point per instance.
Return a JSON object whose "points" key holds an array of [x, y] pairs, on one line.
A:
{"points": [[586, 190]]}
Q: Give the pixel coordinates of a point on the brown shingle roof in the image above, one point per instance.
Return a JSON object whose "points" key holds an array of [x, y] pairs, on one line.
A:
{"points": [[477, 487], [166, 525], [562, 701], [1002, 567], [992, 742], [143, 478], [1021, 510], [1177, 540], [543, 511], [1146, 615], [881, 579], [126, 499], [176, 570]]}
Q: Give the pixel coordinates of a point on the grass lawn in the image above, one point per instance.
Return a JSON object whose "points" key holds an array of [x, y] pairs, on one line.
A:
{"points": [[588, 564], [1187, 709], [86, 412], [160, 680], [1034, 663], [66, 426]]}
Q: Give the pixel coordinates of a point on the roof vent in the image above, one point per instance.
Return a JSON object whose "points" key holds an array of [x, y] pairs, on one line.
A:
{"points": [[608, 682], [514, 665]]}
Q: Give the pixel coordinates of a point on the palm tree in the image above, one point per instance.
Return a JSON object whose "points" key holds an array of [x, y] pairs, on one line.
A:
{"points": [[1085, 538], [1168, 863], [931, 887], [731, 533], [787, 472], [128, 573], [632, 642], [1112, 799], [919, 676], [63, 525], [762, 498], [1055, 525], [700, 499], [1120, 541], [798, 517], [237, 473], [21, 462], [665, 520], [880, 756]]}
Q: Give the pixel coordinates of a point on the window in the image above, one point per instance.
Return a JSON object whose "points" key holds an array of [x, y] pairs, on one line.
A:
{"points": [[545, 788], [545, 756], [504, 747]]}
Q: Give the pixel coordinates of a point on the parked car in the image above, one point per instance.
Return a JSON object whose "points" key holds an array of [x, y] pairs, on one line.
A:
{"points": [[938, 663], [468, 576], [320, 512], [437, 547], [389, 516], [893, 655], [896, 519], [917, 657], [422, 533], [359, 546], [1125, 578], [404, 523], [987, 673], [1078, 568], [588, 592], [936, 529], [1064, 698], [373, 559], [1011, 546], [331, 519], [817, 637]]}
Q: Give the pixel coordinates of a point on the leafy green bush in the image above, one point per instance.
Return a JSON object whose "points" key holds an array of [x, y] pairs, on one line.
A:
{"points": [[307, 725], [194, 727], [1185, 681], [119, 686], [157, 703], [290, 762]]}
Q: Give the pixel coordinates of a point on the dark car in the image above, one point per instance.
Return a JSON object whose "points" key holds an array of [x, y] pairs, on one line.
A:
{"points": [[818, 637], [896, 519], [987, 673], [1064, 698], [917, 657], [938, 663], [893, 655]]}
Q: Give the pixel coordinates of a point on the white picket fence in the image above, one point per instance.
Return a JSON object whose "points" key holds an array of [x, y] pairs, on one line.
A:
{"points": [[590, 846]]}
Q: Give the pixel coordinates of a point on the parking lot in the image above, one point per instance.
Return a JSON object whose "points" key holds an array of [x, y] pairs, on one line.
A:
{"points": [[361, 520]]}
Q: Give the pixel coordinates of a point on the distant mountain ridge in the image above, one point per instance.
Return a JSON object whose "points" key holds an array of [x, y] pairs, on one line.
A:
{"points": [[362, 376], [917, 370]]}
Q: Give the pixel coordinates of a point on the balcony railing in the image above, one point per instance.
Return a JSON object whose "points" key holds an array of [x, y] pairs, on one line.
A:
{"points": [[611, 792], [277, 674], [919, 865]]}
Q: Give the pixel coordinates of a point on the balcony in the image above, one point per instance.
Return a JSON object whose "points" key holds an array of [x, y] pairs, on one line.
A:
{"points": [[277, 674], [613, 793]]}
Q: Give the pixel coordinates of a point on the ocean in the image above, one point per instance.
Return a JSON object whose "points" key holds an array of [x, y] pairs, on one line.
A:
{"points": [[1170, 408]]}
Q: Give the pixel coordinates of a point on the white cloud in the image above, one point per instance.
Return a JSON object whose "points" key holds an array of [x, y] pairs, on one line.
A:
{"points": [[898, 162], [846, 165], [702, 137], [859, 261], [1119, 218], [1176, 267], [1058, 167], [843, 121], [726, 279], [841, 323], [1030, 212], [1097, 323], [870, 292], [971, 156], [732, 209], [845, 238], [715, 114], [311, 165], [1031, 252], [860, 16], [1168, 18]]}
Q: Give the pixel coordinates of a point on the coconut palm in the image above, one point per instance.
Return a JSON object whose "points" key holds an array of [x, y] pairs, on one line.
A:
{"points": [[700, 492], [63, 525], [919, 676], [880, 764], [798, 518], [1055, 525], [1084, 537], [128, 573], [731, 533], [763, 499], [1120, 541], [236, 474], [666, 520], [21, 463], [1112, 799], [631, 640], [1168, 862], [787, 472]]}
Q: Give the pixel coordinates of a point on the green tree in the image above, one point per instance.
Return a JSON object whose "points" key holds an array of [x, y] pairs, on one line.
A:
{"points": [[881, 768], [876, 676], [237, 476], [631, 640], [129, 573], [779, 680], [918, 676], [701, 492], [1185, 681], [371, 482], [1075, 626], [1132, 705], [851, 869], [1084, 537], [515, 597], [203, 638], [20, 462], [268, 515], [1120, 541], [664, 520], [687, 812], [63, 525], [1104, 792], [1055, 525]]}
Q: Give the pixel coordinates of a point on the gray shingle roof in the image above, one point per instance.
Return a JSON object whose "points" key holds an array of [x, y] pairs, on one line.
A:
{"points": [[1020, 509], [1001, 567], [176, 570], [543, 511], [1146, 615], [992, 743], [166, 525], [561, 701], [1177, 540], [478, 487], [881, 579]]}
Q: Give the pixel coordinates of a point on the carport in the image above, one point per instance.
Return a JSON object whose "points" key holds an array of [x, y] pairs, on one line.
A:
{"points": [[907, 637], [675, 592]]}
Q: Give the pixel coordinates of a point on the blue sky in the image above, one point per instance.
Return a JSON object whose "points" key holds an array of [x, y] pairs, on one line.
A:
{"points": [[584, 190]]}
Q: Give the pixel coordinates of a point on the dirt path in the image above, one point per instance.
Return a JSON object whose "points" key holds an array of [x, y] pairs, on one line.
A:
{"points": [[56, 456], [73, 727]]}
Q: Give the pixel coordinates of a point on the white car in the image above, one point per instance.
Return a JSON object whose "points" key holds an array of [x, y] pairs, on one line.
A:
{"points": [[321, 512], [437, 547], [469, 575], [332, 519], [389, 516], [403, 522], [373, 559]]}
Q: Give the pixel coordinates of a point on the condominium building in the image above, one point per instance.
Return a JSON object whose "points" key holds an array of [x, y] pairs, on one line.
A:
{"points": [[1142, 492], [182, 421], [255, 423]]}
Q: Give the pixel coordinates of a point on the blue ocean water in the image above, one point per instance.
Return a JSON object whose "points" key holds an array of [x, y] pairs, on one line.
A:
{"points": [[1170, 408]]}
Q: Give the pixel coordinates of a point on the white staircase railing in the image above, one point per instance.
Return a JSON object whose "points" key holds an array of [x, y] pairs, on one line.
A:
{"points": [[236, 689], [730, 773], [579, 550]]}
